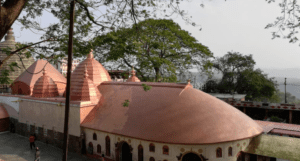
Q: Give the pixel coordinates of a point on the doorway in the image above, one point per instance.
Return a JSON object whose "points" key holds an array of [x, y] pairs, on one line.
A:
{"points": [[125, 152], [191, 157]]}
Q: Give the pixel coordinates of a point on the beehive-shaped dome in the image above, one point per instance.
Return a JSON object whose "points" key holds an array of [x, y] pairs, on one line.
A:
{"points": [[96, 72], [10, 42], [133, 78], [45, 87], [25, 82], [85, 90]]}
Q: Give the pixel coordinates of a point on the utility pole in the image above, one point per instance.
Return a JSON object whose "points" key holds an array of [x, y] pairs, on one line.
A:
{"points": [[285, 90], [195, 82], [67, 104]]}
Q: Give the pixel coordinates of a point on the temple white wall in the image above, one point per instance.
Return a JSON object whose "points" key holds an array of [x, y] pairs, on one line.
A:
{"points": [[11, 105], [208, 151], [49, 115]]}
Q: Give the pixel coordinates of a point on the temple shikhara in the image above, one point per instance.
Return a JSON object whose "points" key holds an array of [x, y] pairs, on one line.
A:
{"points": [[169, 122], [10, 42]]}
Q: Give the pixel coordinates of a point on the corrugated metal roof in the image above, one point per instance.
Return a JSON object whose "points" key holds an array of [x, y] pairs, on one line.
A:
{"points": [[268, 126], [223, 95], [285, 132]]}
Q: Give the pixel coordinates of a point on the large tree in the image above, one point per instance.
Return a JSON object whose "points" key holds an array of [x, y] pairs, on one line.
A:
{"points": [[92, 18], [239, 76], [158, 48]]}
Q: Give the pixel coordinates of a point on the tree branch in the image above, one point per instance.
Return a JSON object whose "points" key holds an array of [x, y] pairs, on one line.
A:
{"points": [[134, 68], [10, 11], [12, 53]]}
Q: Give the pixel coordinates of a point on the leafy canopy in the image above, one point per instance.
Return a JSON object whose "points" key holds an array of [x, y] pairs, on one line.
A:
{"points": [[239, 76], [156, 48], [92, 19]]}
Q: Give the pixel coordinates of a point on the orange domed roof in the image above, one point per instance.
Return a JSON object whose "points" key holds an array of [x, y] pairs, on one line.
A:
{"points": [[85, 90], [96, 72], [29, 79], [45, 87], [133, 78], [168, 113], [3, 112]]}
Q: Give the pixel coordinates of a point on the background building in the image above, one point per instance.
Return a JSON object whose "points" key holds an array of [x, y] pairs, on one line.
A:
{"points": [[10, 42], [64, 65]]}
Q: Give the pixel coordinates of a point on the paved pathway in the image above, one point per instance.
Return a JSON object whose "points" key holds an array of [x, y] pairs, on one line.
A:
{"points": [[15, 147]]}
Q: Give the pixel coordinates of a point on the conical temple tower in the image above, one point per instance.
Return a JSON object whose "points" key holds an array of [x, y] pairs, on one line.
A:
{"points": [[10, 42]]}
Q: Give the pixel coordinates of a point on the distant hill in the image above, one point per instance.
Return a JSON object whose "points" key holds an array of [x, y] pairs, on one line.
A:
{"points": [[292, 75]]}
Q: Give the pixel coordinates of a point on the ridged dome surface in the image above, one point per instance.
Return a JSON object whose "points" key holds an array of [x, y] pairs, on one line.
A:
{"points": [[28, 80], [96, 72], [10, 42], [85, 90], [45, 87]]}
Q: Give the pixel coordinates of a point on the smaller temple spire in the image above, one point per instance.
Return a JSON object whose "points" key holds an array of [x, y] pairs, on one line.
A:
{"points": [[133, 78], [189, 81], [188, 84], [91, 55], [132, 71], [44, 71], [10, 35]]}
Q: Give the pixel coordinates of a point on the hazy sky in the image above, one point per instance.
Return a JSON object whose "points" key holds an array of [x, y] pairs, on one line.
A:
{"points": [[233, 25]]}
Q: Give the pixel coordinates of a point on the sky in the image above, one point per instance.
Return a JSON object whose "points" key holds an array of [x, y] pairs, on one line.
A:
{"points": [[231, 25]]}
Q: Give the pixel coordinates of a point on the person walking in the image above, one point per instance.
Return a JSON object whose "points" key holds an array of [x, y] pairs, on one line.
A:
{"points": [[37, 154], [102, 159], [31, 140]]}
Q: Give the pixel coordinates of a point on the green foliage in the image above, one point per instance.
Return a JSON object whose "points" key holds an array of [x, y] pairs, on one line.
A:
{"points": [[276, 119], [290, 98], [240, 77], [4, 77], [158, 48], [89, 23], [146, 87], [126, 103]]}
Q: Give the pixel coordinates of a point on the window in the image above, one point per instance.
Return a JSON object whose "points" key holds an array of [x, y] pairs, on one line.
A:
{"points": [[54, 133], [151, 159], [98, 148], [219, 152], [94, 136], [230, 151], [36, 129], [140, 153], [107, 145], [28, 126], [45, 131], [151, 147], [166, 150]]}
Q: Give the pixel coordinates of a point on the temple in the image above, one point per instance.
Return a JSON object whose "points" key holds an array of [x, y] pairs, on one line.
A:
{"points": [[169, 122], [10, 42]]}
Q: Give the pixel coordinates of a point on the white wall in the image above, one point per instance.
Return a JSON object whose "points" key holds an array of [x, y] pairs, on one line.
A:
{"points": [[208, 151], [11, 107], [8, 100]]}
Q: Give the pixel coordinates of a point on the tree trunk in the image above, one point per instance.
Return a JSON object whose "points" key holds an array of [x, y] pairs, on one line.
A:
{"points": [[156, 73], [10, 11]]}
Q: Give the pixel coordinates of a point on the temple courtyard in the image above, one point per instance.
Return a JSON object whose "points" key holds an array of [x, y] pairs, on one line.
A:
{"points": [[15, 147]]}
